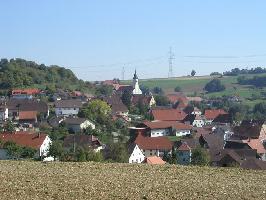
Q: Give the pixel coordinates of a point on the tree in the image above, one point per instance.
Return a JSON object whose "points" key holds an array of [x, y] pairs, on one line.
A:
{"points": [[177, 89], [13, 150], [214, 85], [158, 90], [200, 157], [161, 100], [105, 90], [118, 153], [28, 152], [9, 126], [56, 149], [193, 72], [126, 98]]}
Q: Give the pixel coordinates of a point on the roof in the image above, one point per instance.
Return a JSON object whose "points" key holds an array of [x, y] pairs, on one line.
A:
{"points": [[236, 145], [27, 105], [212, 140], [179, 96], [222, 118], [248, 129], [256, 144], [71, 103], [154, 160], [26, 115], [141, 98], [84, 141], [27, 139], [76, 120], [26, 91], [167, 124], [116, 104], [253, 163], [212, 114], [169, 115], [191, 142], [183, 147], [123, 88], [152, 143], [195, 99]]}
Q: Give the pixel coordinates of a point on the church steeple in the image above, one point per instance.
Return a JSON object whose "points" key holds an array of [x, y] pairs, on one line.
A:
{"points": [[135, 75]]}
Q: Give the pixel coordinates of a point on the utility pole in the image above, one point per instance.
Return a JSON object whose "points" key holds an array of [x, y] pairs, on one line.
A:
{"points": [[170, 60]]}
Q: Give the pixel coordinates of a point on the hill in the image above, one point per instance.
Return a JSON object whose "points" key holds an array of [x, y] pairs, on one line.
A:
{"points": [[19, 73], [191, 85], [36, 180]]}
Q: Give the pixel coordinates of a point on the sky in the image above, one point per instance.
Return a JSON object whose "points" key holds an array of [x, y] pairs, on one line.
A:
{"points": [[97, 39]]}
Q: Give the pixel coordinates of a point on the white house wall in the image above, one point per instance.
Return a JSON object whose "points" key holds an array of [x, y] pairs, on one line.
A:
{"points": [[66, 111], [160, 132], [136, 156]]}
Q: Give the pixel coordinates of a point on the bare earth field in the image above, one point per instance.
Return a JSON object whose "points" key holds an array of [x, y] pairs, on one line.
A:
{"points": [[36, 180]]}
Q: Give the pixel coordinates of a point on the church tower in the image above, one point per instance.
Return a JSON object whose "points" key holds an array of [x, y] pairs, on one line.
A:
{"points": [[136, 89]]}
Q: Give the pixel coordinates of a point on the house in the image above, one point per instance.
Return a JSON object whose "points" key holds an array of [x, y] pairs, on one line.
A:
{"points": [[67, 107], [83, 141], [210, 115], [18, 105], [116, 104], [253, 163], [76, 125], [29, 117], [196, 111], [183, 153], [24, 93], [222, 119], [212, 141], [168, 115], [199, 121], [149, 146], [38, 141], [154, 160], [166, 128], [143, 99]]}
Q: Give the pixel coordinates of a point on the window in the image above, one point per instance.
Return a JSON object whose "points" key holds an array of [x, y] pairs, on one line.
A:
{"points": [[136, 160], [151, 153]]}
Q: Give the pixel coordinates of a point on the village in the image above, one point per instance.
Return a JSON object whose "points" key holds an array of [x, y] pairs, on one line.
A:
{"points": [[137, 128]]}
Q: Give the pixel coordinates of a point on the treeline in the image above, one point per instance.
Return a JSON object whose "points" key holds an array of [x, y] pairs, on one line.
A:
{"points": [[237, 71], [257, 81], [20, 73]]}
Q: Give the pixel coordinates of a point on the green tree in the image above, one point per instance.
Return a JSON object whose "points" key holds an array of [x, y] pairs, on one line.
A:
{"points": [[193, 72], [118, 152], [28, 152], [161, 100], [158, 90], [56, 149], [200, 157], [214, 85], [9, 126], [13, 150], [177, 89]]}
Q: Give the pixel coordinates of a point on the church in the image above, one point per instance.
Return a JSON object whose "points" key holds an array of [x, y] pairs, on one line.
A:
{"points": [[135, 85]]}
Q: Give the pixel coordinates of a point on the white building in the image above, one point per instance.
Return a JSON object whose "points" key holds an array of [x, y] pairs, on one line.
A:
{"points": [[137, 155], [135, 84], [67, 107], [3, 113], [199, 121], [38, 141]]}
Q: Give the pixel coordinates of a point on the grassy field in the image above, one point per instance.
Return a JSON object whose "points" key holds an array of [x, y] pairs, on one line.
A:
{"points": [[36, 180]]}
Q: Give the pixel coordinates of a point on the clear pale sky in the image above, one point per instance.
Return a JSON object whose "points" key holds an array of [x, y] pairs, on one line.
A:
{"points": [[97, 38]]}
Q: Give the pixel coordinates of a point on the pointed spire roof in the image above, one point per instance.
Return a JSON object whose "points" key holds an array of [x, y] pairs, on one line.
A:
{"points": [[135, 75]]}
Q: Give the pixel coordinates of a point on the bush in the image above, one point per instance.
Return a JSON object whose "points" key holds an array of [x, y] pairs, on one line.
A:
{"points": [[177, 89], [214, 85], [200, 157]]}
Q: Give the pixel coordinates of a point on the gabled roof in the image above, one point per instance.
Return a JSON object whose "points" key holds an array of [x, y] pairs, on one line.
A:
{"points": [[183, 147], [71, 103], [179, 96], [169, 115], [25, 139], [237, 144], [84, 141], [213, 141], [212, 114], [141, 98], [116, 104], [253, 163], [154, 160], [27, 105], [256, 144], [166, 124], [27, 115], [222, 118], [74, 120], [248, 129], [153, 143], [26, 91]]}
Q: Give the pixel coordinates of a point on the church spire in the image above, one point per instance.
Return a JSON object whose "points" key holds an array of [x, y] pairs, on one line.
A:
{"points": [[135, 75]]}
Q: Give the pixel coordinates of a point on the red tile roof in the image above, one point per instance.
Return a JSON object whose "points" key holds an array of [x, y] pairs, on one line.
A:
{"points": [[256, 144], [26, 91], [212, 114], [25, 115], [25, 139], [169, 115], [153, 143], [154, 160], [184, 147]]}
